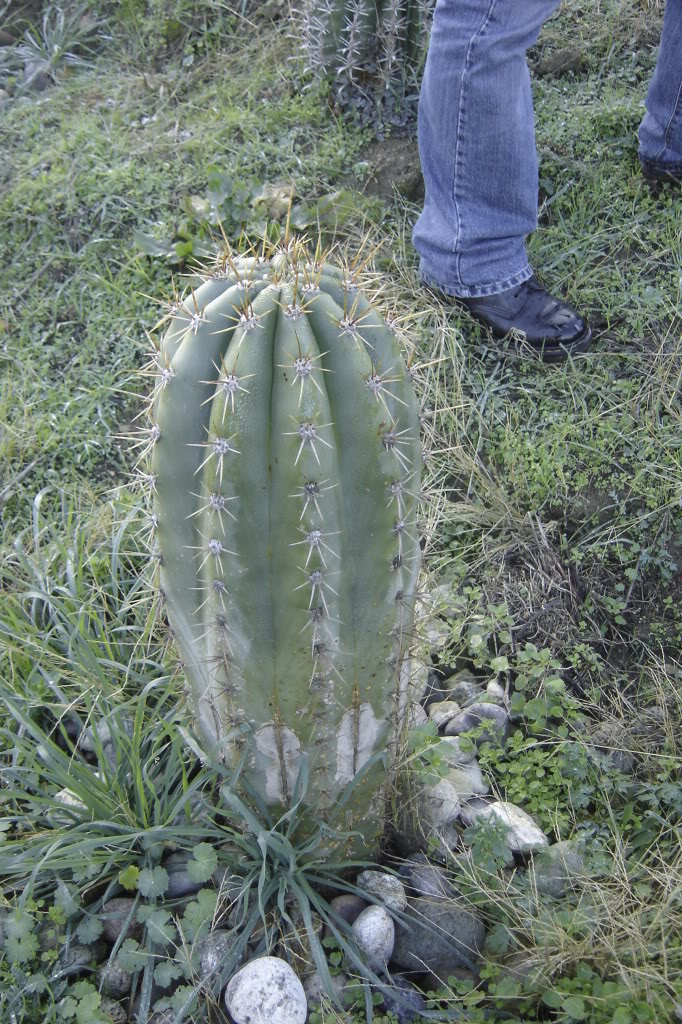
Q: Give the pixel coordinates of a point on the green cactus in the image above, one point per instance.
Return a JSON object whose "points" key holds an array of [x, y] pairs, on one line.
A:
{"points": [[365, 44], [286, 471]]}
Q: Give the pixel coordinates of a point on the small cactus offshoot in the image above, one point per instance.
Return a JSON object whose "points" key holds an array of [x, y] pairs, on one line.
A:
{"points": [[284, 467]]}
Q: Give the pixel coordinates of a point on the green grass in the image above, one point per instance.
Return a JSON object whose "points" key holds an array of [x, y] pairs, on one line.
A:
{"points": [[556, 491]]}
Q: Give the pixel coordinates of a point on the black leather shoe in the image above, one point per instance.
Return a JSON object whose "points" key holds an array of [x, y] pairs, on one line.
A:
{"points": [[549, 326], [659, 172]]}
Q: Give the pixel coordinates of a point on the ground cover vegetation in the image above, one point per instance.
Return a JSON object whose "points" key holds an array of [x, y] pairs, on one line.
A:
{"points": [[555, 529]]}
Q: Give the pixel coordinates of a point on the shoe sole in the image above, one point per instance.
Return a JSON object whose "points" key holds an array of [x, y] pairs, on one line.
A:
{"points": [[548, 351]]}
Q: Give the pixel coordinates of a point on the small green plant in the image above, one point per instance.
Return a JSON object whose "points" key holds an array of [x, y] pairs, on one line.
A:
{"points": [[65, 37]]}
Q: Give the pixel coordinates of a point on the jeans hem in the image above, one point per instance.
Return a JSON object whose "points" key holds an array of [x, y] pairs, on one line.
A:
{"points": [[672, 167], [476, 291]]}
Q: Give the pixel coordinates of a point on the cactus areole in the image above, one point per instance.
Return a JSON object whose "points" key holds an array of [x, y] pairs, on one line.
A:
{"points": [[285, 460]]}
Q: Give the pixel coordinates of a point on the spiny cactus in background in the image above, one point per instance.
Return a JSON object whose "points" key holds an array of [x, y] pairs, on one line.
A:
{"points": [[285, 468], [365, 46]]}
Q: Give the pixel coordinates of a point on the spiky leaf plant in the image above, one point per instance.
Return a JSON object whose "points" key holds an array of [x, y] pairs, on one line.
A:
{"points": [[285, 465], [365, 46]]}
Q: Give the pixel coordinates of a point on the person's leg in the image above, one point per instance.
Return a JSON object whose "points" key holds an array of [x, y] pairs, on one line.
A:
{"points": [[477, 146], [660, 133]]}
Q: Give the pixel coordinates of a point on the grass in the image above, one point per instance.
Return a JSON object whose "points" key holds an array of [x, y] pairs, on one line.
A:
{"points": [[556, 507]]}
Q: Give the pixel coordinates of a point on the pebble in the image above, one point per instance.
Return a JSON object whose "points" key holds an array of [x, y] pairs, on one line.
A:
{"points": [[179, 882], [523, 835], [468, 780], [442, 597], [464, 688], [114, 1010], [495, 691], [474, 715], [113, 917], [34, 76], [113, 981], [214, 949], [80, 956], [348, 906], [87, 740], [406, 1002], [4, 97], [441, 937], [416, 716], [425, 879], [437, 805], [387, 888], [451, 752], [442, 711], [374, 931], [552, 871], [266, 990], [315, 991]]}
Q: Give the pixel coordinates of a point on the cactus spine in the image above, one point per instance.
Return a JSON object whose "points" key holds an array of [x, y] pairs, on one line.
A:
{"points": [[365, 42], [285, 465]]}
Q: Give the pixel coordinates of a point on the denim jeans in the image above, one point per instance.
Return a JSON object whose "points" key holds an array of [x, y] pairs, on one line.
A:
{"points": [[477, 141]]}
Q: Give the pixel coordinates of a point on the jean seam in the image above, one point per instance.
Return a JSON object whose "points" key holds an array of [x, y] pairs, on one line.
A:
{"points": [[668, 128], [459, 159]]}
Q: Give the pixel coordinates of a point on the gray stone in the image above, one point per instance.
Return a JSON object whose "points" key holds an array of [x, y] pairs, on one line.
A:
{"points": [[115, 1011], [436, 634], [437, 805], [4, 97], [442, 597], [406, 1001], [416, 716], [468, 780], [523, 834], [552, 871], [464, 688], [387, 888], [425, 879], [113, 917], [266, 990], [442, 935], [451, 752], [35, 75], [315, 991], [179, 882], [496, 718], [113, 981], [442, 842], [78, 956], [214, 949], [374, 932], [442, 711], [348, 906], [87, 740], [472, 809]]}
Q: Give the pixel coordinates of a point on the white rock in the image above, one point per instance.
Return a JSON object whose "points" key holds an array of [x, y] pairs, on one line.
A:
{"points": [[523, 834], [441, 711], [388, 888], [438, 805], [495, 691], [266, 991], [468, 780], [375, 934]]}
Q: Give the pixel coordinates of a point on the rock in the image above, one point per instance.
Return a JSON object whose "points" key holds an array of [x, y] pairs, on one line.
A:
{"points": [[49, 937], [451, 752], [113, 917], [115, 1011], [315, 991], [406, 1002], [467, 780], [523, 834], [266, 990], [552, 871], [613, 739], [442, 935], [179, 882], [495, 691], [214, 949], [387, 888], [4, 97], [520, 966], [162, 1017], [464, 688], [425, 879], [471, 810], [87, 740], [442, 598], [442, 842], [35, 75], [437, 805], [112, 980], [80, 956], [436, 634], [348, 906], [497, 717], [442, 711], [375, 934]]}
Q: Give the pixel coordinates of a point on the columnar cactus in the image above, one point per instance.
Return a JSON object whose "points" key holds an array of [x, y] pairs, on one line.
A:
{"points": [[361, 41], [285, 464]]}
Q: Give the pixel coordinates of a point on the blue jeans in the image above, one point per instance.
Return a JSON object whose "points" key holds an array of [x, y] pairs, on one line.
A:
{"points": [[477, 142]]}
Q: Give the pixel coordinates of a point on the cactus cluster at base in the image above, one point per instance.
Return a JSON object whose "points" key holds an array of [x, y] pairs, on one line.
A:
{"points": [[285, 473]]}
